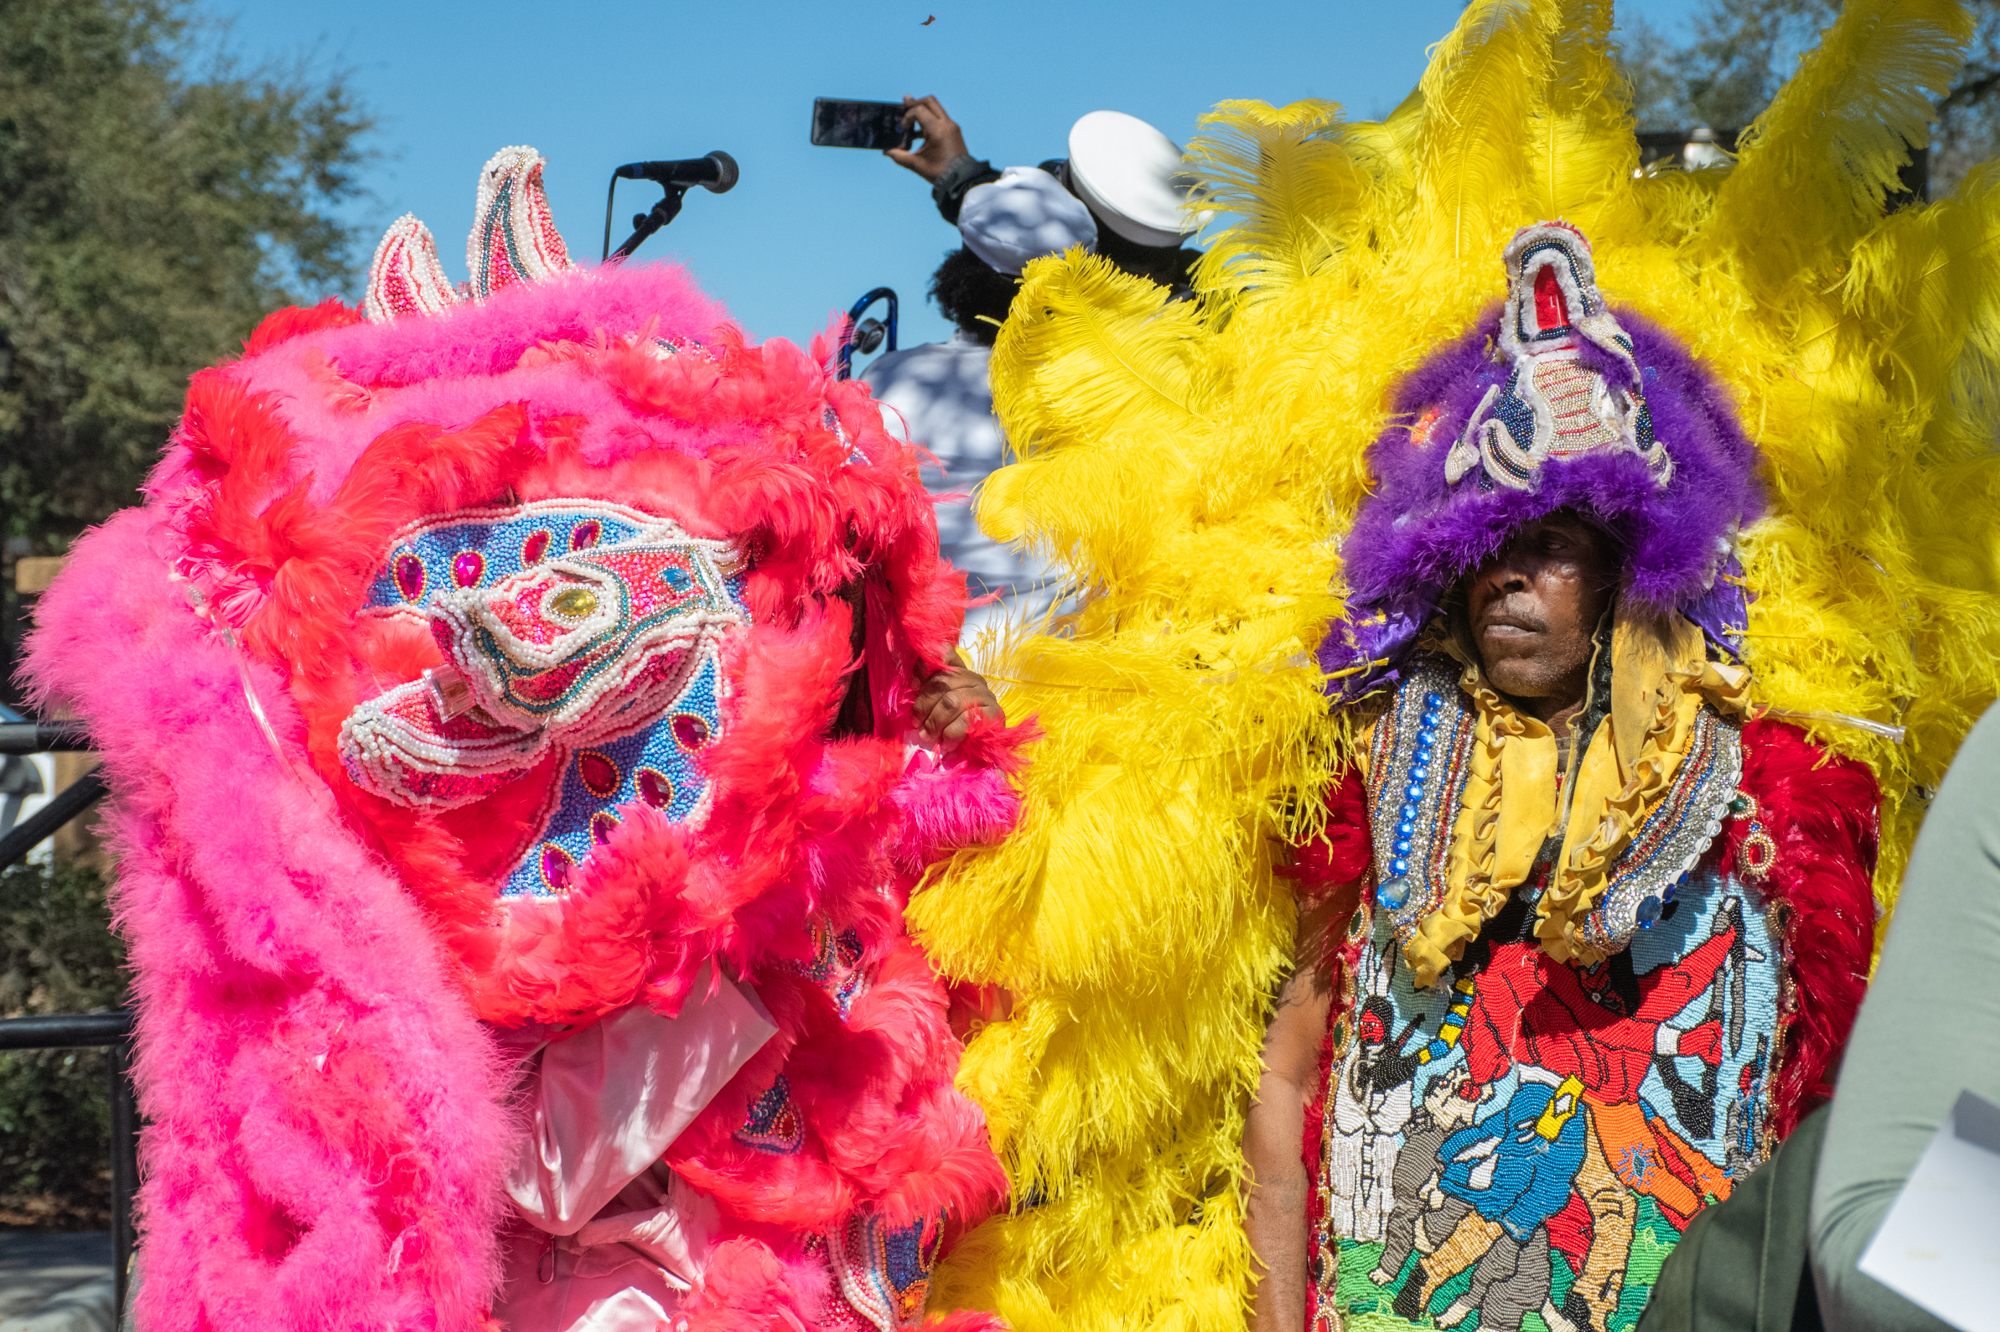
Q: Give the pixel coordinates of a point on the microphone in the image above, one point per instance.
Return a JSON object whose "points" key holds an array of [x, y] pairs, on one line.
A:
{"points": [[716, 173]]}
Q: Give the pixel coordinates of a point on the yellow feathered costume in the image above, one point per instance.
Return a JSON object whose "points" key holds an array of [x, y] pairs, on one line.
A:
{"points": [[1195, 465]]}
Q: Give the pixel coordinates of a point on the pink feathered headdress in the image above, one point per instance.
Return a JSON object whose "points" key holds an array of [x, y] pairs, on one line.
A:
{"points": [[325, 929]]}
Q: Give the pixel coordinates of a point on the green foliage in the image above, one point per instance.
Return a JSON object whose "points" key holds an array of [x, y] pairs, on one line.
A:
{"points": [[57, 955], [1742, 51], [154, 203]]}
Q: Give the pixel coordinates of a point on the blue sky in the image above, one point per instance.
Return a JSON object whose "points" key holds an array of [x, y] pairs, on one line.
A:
{"points": [[809, 229]]}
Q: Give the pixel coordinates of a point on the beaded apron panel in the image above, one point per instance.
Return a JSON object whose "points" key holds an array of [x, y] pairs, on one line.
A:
{"points": [[650, 755], [1522, 1145]]}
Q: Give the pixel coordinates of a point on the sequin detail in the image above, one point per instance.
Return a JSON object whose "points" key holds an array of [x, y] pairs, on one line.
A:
{"points": [[555, 865], [691, 731], [836, 963], [655, 787], [409, 575], [598, 773]]}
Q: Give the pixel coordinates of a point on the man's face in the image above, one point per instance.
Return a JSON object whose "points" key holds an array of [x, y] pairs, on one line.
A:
{"points": [[1534, 606]]}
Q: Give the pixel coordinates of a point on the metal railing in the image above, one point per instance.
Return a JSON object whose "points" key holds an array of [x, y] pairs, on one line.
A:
{"points": [[111, 1031]]}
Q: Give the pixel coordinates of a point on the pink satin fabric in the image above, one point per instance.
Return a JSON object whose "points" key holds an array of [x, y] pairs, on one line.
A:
{"points": [[607, 1238]]}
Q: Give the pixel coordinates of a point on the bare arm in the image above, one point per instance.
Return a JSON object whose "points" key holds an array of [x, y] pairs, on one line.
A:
{"points": [[1275, 1214]]}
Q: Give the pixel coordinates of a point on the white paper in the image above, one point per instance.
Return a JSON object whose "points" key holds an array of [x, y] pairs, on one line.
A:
{"points": [[1939, 1246]]}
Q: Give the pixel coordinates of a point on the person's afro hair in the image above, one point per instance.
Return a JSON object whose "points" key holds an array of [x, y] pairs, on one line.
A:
{"points": [[970, 294]]}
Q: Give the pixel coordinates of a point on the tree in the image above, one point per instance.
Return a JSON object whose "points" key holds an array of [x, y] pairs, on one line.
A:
{"points": [[1742, 51], [154, 202]]}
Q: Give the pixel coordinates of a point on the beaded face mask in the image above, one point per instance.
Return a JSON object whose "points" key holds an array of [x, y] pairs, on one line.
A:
{"points": [[602, 657]]}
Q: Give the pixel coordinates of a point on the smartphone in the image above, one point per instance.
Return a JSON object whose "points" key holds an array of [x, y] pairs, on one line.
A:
{"points": [[839, 123]]}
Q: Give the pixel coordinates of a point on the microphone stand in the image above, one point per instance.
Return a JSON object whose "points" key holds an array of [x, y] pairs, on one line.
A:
{"points": [[643, 224]]}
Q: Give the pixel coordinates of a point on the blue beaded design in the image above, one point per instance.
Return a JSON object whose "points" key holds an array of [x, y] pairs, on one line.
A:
{"points": [[1512, 410], [657, 750], [500, 545], [1421, 749]]}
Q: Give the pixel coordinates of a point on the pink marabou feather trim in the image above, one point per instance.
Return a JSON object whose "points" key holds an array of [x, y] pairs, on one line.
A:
{"points": [[298, 1034]]}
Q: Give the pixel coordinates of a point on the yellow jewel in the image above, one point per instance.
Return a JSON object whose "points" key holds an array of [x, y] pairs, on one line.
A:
{"points": [[573, 603]]}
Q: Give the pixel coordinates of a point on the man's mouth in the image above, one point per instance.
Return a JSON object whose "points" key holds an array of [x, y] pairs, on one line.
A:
{"points": [[1501, 624]]}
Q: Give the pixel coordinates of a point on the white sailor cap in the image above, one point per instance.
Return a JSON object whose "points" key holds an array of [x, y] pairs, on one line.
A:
{"points": [[1133, 177], [1021, 216]]}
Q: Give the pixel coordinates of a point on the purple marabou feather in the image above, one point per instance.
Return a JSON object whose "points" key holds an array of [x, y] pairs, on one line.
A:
{"points": [[1416, 535]]}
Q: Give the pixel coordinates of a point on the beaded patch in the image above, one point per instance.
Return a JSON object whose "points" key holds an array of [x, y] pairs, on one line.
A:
{"points": [[476, 548], [772, 1123], [836, 964], [1674, 837], [885, 1273], [1417, 769], [1523, 1146], [652, 766], [578, 632]]}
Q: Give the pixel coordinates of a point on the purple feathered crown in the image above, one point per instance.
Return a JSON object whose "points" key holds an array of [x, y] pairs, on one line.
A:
{"points": [[1551, 401]]}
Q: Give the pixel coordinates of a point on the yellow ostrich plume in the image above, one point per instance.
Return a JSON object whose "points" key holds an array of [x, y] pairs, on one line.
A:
{"points": [[1195, 465]]}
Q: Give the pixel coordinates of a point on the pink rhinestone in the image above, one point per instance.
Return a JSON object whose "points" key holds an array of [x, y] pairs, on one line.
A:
{"points": [[536, 546], [600, 776], [466, 567], [655, 788], [690, 731], [409, 576], [556, 867]]}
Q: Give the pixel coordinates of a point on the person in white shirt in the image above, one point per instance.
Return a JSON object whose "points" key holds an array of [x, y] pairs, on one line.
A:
{"points": [[1120, 193]]}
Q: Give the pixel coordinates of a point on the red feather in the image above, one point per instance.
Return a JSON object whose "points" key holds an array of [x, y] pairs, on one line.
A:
{"points": [[1823, 814]]}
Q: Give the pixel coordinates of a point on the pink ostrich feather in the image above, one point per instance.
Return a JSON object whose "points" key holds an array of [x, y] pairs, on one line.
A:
{"points": [[316, 969]]}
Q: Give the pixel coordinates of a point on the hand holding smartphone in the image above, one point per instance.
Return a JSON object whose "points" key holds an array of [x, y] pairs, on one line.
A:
{"points": [[892, 127]]}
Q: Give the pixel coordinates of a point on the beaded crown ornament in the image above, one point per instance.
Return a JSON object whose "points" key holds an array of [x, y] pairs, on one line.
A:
{"points": [[1555, 405], [514, 240]]}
